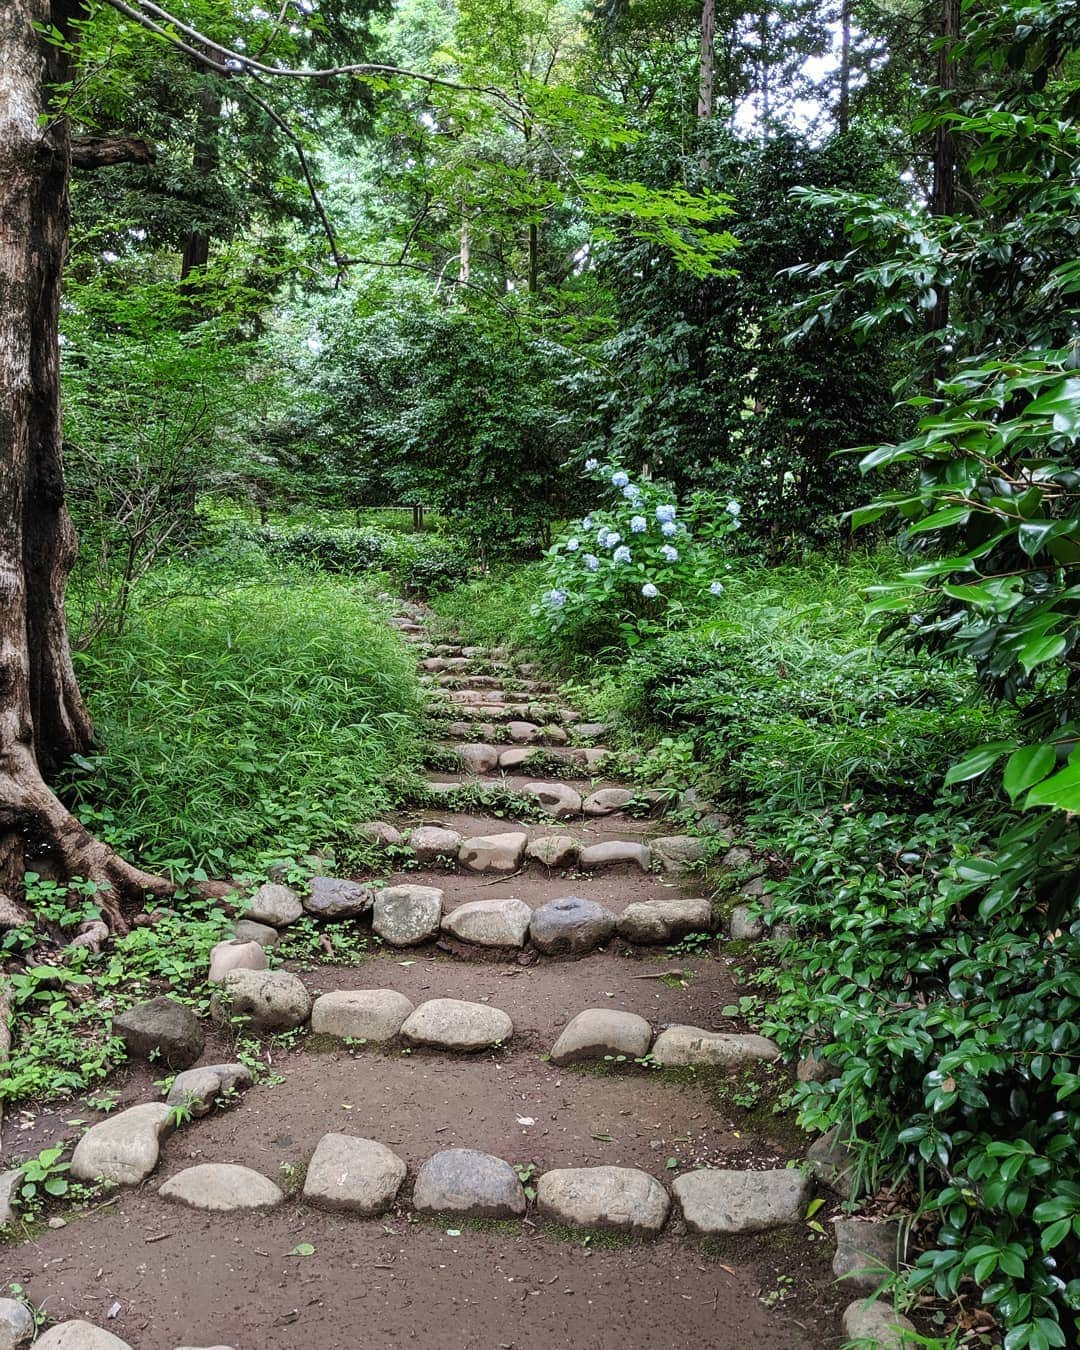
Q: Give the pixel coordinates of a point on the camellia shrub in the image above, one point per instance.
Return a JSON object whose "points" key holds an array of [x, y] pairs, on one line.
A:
{"points": [[633, 566]]}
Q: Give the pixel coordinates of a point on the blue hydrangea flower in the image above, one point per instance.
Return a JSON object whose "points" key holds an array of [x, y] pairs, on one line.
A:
{"points": [[591, 561], [649, 591], [592, 464], [612, 538], [631, 492], [670, 554], [586, 524], [639, 524], [621, 555], [572, 545], [665, 514], [555, 599], [669, 528], [620, 479], [733, 508], [602, 536], [717, 588]]}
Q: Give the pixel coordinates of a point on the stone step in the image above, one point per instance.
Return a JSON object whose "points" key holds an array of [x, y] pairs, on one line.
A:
{"points": [[481, 711], [482, 758], [470, 653], [465, 681], [581, 735]]}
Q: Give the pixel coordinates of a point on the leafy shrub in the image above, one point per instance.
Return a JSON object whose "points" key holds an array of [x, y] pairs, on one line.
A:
{"points": [[254, 723], [940, 978], [632, 567], [420, 563]]}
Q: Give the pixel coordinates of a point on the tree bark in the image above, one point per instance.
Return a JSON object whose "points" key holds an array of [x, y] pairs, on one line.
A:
{"points": [[943, 187], [706, 103], [43, 719], [97, 152], [204, 161]]}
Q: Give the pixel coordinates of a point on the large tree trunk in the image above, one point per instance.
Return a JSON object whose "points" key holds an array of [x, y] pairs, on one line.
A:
{"points": [[42, 716], [196, 252]]}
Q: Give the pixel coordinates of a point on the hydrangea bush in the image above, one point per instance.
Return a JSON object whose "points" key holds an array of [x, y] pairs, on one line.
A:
{"points": [[626, 570]]}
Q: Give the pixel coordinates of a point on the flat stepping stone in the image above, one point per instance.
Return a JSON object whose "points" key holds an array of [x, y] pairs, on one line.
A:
{"points": [[452, 1024], [477, 681], [516, 757], [198, 1089], [867, 1251], [493, 852], [678, 852], [619, 1198], [356, 1176], [558, 799], [597, 1033], [162, 1028], [524, 733], [374, 1015], [247, 930], [79, 1335], [589, 731], [555, 734], [123, 1148], [554, 850], [477, 696], [875, 1323], [478, 758], [269, 1000], [432, 844], [337, 898], [470, 1184], [607, 801], [407, 915], [653, 921], [440, 663], [490, 923], [221, 1188], [274, 904], [681, 1045], [380, 833], [234, 955], [472, 731], [715, 1200], [570, 926], [615, 853]]}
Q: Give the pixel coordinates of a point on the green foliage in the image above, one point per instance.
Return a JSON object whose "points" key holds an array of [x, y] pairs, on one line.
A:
{"points": [[927, 971], [420, 564], [247, 723], [633, 567]]}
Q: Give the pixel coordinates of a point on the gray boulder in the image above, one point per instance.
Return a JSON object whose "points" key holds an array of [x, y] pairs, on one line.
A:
{"points": [[606, 801], [358, 1176], [493, 852], [490, 923], [230, 955], [615, 853], [831, 1162], [10, 1181], [676, 1046], [380, 833], [554, 850], [656, 921], [879, 1325], [274, 904], [431, 844], [337, 898], [720, 1201], [598, 1032], [270, 1000], [678, 852], [17, 1324], [221, 1188], [620, 1198], [162, 1029], [79, 1335], [452, 1024], [374, 1015], [247, 930], [570, 926], [198, 1089], [867, 1251], [557, 799], [470, 1184], [123, 1148], [479, 758], [746, 924], [407, 915]]}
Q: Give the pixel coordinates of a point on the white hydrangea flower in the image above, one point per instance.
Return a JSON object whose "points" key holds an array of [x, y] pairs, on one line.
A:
{"points": [[733, 508], [592, 464], [639, 524], [717, 588], [649, 591], [668, 529], [622, 555], [670, 554], [572, 545]]}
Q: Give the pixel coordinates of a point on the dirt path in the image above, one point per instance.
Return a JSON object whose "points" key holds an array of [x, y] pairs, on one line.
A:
{"points": [[172, 1276]]}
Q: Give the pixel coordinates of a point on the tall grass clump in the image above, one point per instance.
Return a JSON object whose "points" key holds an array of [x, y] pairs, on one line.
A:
{"points": [[249, 724]]}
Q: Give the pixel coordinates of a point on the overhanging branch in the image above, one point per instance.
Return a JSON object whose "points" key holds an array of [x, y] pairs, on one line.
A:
{"points": [[97, 152]]}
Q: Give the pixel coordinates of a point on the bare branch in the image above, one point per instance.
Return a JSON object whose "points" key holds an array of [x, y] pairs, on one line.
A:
{"points": [[95, 152]]}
